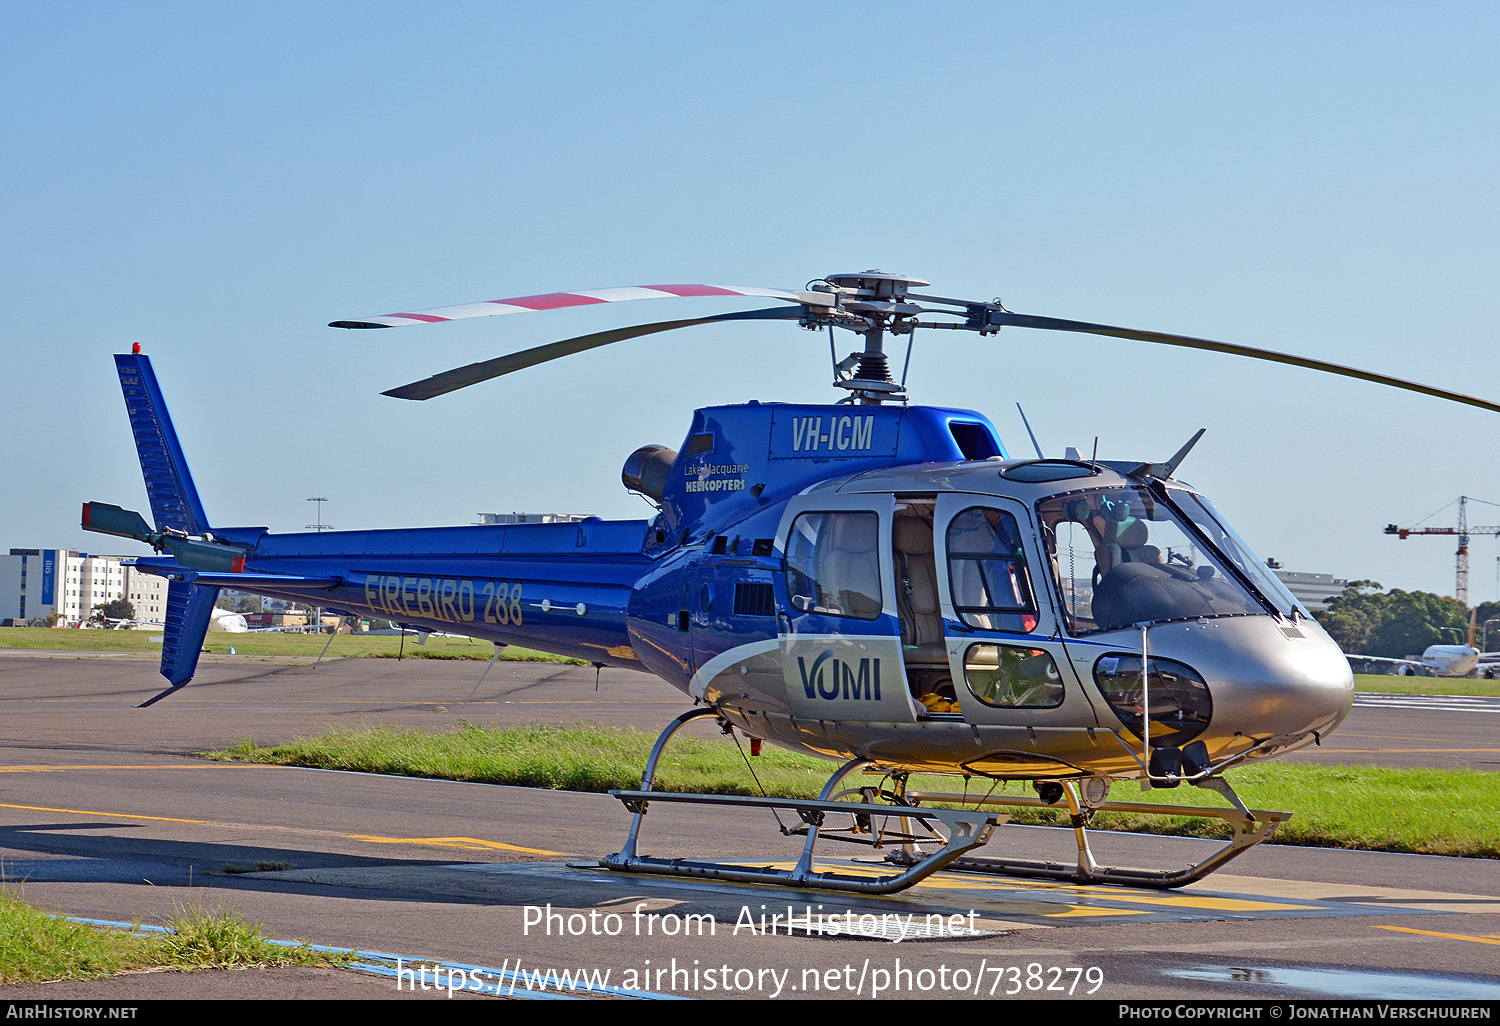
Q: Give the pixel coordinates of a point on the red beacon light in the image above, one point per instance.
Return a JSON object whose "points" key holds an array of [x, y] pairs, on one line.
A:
{"points": [[135, 347]]}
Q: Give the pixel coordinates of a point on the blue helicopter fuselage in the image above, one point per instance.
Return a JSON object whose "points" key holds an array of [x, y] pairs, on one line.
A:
{"points": [[615, 592], [879, 581]]}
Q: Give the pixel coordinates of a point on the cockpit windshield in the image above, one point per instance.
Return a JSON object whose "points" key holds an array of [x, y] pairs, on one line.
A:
{"points": [[1233, 546], [1123, 556]]}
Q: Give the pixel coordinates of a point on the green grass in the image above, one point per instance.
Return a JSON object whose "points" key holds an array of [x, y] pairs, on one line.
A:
{"points": [[1435, 812], [562, 758], [235, 869], [36, 947], [345, 646], [1424, 811], [1391, 685]]}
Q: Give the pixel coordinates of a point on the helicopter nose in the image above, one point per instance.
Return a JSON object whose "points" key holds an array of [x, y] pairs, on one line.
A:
{"points": [[1267, 678]]}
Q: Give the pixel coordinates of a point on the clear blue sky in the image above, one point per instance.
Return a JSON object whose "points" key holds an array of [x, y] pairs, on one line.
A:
{"points": [[219, 181]]}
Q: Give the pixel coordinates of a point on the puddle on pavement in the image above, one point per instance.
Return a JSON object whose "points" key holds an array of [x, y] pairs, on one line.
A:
{"points": [[1348, 983]]}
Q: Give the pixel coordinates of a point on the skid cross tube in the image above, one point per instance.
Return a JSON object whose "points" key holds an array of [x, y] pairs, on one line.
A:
{"points": [[964, 830], [1250, 827], [959, 830]]}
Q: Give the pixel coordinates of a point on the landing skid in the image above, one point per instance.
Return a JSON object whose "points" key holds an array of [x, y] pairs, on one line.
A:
{"points": [[903, 823], [957, 830], [1250, 827]]}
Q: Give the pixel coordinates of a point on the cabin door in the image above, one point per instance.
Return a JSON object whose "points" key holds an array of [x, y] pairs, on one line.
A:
{"points": [[1005, 653], [841, 646]]}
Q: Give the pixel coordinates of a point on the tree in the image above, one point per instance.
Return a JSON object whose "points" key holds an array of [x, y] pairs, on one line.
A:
{"points": [[238, 602], [1396, 624], [1351, 618], [1487, 611], [1415, 619], [118, 609]]}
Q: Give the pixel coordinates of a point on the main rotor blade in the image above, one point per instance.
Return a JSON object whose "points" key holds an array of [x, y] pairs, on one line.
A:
{"points": [[461, 377], [1057, 324], [559, 300]]}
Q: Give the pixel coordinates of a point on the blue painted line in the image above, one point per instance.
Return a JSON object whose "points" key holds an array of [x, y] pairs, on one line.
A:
{"points": [[499, 982]]}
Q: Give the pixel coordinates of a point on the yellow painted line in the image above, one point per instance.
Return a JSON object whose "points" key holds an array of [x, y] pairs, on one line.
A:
{"points": [[1393, 751], [1216, 904], [938, 881], [109, 815], [942, 881], [1186, 901], [56, 769], [1449, 936], [1128, 894], [339, 701], [472, 843]]}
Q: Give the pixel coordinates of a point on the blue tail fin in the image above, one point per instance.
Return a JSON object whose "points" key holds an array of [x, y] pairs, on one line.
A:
{"points": [[189, 608], [169, 486], [175, 505]]}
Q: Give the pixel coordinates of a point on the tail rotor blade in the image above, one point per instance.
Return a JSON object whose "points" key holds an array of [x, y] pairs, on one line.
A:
{"points": [[102, 518], [1005, 317], [462, 377]]}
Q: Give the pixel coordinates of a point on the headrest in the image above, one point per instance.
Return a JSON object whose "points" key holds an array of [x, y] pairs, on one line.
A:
{"points": [[913, 536]]}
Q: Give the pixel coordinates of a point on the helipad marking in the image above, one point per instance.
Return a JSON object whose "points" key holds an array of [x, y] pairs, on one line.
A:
{"points": [[1213, 903], [1449, 936], [58, 769], [107, 815], [472, 843]]}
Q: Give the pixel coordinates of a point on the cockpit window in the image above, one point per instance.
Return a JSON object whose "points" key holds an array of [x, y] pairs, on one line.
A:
{"points": [[833, 566], [987, 570], [1123, 557], [1202, 513]]}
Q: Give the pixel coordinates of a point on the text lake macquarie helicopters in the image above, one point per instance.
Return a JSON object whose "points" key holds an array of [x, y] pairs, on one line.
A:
{"points": [[869, 581]]}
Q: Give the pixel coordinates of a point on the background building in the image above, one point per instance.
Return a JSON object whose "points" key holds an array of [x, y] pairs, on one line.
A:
{"points": [[36, 583], [1312, 590], [490, 519]]}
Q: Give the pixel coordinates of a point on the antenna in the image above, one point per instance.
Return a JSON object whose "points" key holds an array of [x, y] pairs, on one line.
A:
{"points": [[319, 526], [1168, 468], [1038, 448]]}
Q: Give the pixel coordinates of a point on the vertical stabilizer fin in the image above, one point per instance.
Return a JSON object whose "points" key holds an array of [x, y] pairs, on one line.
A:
{"points": [[169, 486], [189, 608]]}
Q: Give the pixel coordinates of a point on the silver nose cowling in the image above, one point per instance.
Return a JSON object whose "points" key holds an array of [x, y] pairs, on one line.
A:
{"points": [[1266, 678]]}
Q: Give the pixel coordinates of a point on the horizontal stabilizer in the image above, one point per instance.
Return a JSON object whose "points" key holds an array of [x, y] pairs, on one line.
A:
{"points": [[286, 582]]}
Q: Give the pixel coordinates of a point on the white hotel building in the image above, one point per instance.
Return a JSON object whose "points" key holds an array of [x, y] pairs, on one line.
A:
{"points": [[40, 582]]}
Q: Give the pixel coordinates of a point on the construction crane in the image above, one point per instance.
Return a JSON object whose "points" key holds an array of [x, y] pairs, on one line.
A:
{"points": [[1463, 530]]}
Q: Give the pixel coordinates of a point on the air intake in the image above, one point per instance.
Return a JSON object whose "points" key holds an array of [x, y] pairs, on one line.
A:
{"points": [[646, 470]]}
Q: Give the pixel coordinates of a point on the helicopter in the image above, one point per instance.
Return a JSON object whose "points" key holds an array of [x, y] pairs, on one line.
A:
{"points": [[871, 581]]}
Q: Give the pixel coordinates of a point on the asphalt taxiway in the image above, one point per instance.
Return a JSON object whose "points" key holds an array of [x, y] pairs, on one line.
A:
{"points": [[106, 812]]}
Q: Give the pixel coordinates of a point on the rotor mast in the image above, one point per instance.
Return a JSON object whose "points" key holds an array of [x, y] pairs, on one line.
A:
{"points": [[869, 303]]}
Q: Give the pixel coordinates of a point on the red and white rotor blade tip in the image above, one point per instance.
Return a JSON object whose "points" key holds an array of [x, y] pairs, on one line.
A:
{"points": [[559, 300]]}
